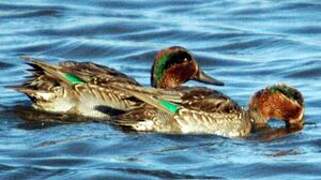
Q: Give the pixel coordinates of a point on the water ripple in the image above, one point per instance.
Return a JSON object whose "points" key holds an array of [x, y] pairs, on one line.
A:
{"points": [[246, 44]]}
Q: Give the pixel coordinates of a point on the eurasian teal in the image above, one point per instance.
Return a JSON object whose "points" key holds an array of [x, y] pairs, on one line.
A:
{"points": [[206, 111], [83, 88]]}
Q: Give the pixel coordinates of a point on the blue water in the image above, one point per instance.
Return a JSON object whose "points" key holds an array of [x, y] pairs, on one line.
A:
{"points": [[247, 44]]}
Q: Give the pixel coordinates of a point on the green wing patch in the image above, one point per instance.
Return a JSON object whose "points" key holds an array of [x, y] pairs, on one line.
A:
{"points": [[169, 106], [73, 79]]}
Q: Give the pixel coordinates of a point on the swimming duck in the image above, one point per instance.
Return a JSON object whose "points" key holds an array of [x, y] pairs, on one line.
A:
{"points": [[82, 88], [205, 111]]}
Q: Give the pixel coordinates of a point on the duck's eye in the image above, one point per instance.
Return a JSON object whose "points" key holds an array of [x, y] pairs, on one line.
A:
{"points": [[185, 59]]}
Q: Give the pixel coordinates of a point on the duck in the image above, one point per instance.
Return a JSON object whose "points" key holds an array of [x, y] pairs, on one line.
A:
{"points": [[83, 88], [201, 110]]}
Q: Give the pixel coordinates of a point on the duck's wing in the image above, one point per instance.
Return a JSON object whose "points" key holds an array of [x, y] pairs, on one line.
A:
{"points": [[208, 100], [165, 100], [196, 98], [84, 71], [95, 73], [46, 76]]}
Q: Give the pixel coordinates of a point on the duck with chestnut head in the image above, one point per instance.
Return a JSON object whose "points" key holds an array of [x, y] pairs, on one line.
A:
{"points": [[205, 111], [279, 102], [83, 88], [174, 66]]}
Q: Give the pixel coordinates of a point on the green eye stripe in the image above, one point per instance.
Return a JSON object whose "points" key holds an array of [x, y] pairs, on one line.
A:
{"points": [[160, 66], [284, 90]]}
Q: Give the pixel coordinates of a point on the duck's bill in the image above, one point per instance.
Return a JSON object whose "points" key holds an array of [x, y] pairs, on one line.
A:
{"points": [[204, 78], [298, 124]]}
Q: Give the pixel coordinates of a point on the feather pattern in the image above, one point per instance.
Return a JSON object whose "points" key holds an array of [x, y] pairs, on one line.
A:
{"points": [[76, 88], [200, 110]]}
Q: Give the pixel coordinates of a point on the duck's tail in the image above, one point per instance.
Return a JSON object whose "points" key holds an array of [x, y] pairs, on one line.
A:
{"points": [[44, 80], [56, 72]]}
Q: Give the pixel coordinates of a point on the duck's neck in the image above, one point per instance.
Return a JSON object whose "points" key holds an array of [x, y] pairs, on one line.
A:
{"points": [[259, 107], [256, 118]]}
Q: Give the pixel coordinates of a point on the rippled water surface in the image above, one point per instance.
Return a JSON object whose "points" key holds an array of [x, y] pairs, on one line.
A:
{"points": [[247, 44]]}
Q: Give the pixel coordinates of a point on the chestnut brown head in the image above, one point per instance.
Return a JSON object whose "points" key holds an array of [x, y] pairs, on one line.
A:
{"points": [[280, 102], [175, 65]]}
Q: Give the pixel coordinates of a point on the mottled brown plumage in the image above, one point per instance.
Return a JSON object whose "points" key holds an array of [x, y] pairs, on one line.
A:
{"points": [[51, 92], [202, 110], [83, 88]]}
